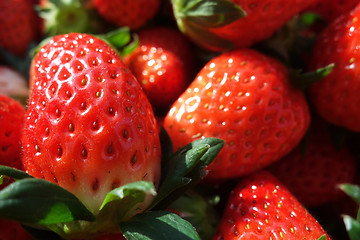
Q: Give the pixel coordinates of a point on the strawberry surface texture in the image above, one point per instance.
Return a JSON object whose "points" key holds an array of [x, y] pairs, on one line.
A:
{"points": [[245, 98], [179, 120], [88, 121]]}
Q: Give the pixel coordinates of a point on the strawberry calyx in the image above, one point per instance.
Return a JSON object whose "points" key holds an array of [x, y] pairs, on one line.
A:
{"points": [[302, 80], [65, 16], [46, 208], [196, 18], [352, 225]]}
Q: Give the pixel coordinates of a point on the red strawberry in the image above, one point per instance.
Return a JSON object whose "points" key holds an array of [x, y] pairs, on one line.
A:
{"points": [[89, 126], [163, 64], [12, 116], [305, 171], [133, 14], [260, 207], [330, 10], [10, 230], [217, 27], [336, 97], [18, 26], [244, 98]]}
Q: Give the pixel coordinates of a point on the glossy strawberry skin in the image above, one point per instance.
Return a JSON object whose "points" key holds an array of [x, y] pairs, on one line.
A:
{"points": [[133, 14], [313, 171], [19, 26], [12, 116], [260, 207], [89, 126], [163, 64], [244, 98], [336, 97]]}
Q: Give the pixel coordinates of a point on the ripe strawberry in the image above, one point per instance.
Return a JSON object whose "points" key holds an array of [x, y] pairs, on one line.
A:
{"points": [[12, 116], [330, 10], [89, 126], [215, 28], [244, 98], [305, 171], [260, 207], [336, 97], [11, 230], [18, 26], [133, 14], [163, 64]]}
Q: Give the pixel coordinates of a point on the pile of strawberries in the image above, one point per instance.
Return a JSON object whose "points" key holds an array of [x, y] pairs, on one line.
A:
{"points": [[179, 119]]}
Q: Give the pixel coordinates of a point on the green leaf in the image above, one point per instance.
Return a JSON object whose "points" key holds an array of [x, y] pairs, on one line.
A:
{"points": [[323, 237], [193, 207], [159, 225], [208, 13], [303, 80], [185, 168], [118, 38], [37, 201], [13, 172], [351, 190], [352, 227], [126, 201], [196, 18]]}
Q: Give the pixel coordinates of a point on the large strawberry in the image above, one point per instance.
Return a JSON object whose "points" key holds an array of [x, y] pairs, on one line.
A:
{"points": [[336, 97], [222, 24], [305, 171], [163, 63], [89, 126], [19, 26], [260, 207], [12, 116], [133, 14], [245, 98]]}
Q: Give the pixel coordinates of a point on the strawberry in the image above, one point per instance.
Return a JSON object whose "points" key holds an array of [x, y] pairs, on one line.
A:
{"points": [[224, 24], [18, 26], [260, 207], [305, 171], [133, 14], [163, 64], [12, 116], [330, 10], [11, 230], [336, 97], [244, 98], [89, 126]]}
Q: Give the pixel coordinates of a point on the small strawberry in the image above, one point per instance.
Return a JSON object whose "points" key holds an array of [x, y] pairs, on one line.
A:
{"points": [[133, 14], [11, 230], [245, 98], [336, 97], [163, 64], [330, 10], [89, 126], [12, 116], [305, 171], [226, 24], [18, 26], [260, 207]]}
